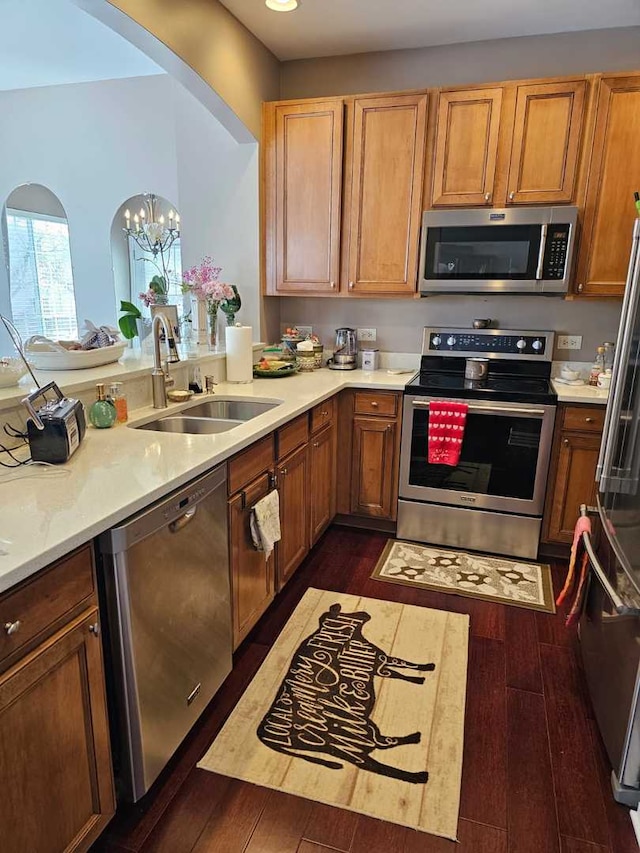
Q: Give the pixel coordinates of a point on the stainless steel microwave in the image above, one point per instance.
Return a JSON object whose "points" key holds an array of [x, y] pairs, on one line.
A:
{"points": [[515, 250]]}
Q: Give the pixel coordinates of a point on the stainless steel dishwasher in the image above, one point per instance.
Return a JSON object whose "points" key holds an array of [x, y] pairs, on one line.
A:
{"points": [[165, 583]]}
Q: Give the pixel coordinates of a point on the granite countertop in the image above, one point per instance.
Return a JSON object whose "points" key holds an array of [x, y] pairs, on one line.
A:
{"points": [[46, 512]]}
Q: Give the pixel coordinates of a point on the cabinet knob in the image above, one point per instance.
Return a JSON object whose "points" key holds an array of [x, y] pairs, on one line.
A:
{"points": [[333, 285], [324, 414], [487, 196], [283, 472], [565, 441], [11, 627], [350, 285], [589, 420], [374, 404], [316, 444], [512, 195], [95, 629], [388, 427], [580, 287]]}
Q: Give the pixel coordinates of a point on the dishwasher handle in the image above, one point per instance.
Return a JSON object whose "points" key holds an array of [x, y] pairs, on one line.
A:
{"points": [[184, 520]]}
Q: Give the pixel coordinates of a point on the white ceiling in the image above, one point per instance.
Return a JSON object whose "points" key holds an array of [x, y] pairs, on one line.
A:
{"points": [[333, 27], [49, 42]]}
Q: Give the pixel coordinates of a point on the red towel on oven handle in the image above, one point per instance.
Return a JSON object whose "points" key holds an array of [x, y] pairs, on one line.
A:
{"points": [[446, 432]]}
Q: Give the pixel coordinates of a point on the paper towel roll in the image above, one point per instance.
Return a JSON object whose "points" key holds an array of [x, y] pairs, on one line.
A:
{"points": [[239, 353]]}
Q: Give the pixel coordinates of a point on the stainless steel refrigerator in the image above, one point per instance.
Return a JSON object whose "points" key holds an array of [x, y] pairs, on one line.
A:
{"points": [[610, 624]]}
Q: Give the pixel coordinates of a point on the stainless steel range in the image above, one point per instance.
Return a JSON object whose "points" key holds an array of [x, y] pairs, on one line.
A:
{"points": [[493, 499]]}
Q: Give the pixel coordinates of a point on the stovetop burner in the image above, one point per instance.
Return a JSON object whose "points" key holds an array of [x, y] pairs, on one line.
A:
{"points": [[518, 389]]}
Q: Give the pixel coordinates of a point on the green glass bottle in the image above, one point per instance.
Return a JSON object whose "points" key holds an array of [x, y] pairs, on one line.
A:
{"points": [[102, 413]]}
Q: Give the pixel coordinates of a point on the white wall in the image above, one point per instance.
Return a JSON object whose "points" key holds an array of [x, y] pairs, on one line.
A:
{"points": [[218, 201], [96, 144]]}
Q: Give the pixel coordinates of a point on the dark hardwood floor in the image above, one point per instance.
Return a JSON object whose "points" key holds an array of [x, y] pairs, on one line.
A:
{"points": [[535, 775]]}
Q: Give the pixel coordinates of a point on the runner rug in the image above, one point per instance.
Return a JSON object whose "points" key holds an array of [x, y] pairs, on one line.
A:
{"points": [[359, 705], [476, 575]]}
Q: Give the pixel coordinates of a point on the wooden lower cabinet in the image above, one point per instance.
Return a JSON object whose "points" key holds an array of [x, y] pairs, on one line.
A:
{"points": [[572, 473], [374, 462], [55, 759], [322, 481], [252, 577], [293, 486]]}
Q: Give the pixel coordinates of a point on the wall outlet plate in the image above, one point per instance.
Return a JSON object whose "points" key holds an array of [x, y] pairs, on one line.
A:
{"points": [[569, 342], [367, 334], [304, 330]]}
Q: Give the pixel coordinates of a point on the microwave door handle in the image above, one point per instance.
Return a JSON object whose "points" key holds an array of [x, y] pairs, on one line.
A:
{"points": [[621, 358], [543, 246]]}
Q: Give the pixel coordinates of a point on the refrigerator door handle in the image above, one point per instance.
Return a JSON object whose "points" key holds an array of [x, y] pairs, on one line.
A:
{"points": [[603, 580], [621, 357]]}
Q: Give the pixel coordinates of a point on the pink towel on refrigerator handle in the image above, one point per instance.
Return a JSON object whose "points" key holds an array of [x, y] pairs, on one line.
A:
{"points": [[447, 421]]}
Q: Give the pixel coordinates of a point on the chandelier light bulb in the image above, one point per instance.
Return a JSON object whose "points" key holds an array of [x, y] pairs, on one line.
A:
{"points": [[127, 214], [281, 5], [142, 213]]}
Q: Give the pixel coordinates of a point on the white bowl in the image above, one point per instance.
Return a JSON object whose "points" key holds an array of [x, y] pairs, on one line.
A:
{"points": [[11, 371], [73, 359], [569, 373]]}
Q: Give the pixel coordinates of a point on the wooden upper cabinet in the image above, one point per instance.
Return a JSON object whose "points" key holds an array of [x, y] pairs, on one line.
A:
{"points": [[466, 147], [386, 193], [308, 185], [614, 175], [545, 144]]}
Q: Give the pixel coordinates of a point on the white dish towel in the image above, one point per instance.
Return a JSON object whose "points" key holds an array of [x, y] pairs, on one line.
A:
{"points": [[265, 523]]}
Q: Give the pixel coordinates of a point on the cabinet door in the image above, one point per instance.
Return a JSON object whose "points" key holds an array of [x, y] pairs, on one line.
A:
{"points": [[55, 760], [574, 483], [252, 585], [386, 193], [322, 481], [546, 136], [373, 467], [293, 485], [614, 175], [308, 183], [466, 147]]}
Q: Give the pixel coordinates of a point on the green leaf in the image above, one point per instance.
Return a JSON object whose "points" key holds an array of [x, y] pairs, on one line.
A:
{"points": [[128, 326], [130, 308]]}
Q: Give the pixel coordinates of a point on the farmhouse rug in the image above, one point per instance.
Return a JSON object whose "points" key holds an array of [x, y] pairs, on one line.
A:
{"points": [[360, 705], [475, 575]]}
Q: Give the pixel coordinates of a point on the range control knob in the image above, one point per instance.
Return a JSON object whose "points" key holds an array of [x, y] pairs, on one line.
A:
{"points": [[521, 344], [451, 341], [436, 340], [537, 345]]}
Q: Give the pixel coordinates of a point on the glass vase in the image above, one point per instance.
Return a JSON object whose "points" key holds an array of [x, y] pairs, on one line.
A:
{"points": [[212, 320], [231, 306]]}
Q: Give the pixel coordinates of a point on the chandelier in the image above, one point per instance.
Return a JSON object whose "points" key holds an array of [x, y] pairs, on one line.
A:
{"points": [[152, 233]]}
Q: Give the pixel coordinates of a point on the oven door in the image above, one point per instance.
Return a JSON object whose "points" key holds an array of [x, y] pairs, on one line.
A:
{"points": [[503, 462]]}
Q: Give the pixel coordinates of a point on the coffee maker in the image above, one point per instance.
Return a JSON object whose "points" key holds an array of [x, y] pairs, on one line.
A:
{"points": [[345, 354]]}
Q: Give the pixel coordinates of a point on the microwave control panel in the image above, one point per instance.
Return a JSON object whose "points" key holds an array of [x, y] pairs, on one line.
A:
{"points": [[555, 254]]}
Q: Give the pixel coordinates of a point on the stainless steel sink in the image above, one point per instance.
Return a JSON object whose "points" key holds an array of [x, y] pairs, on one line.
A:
{"points": [[192, 426], [228, 408]]}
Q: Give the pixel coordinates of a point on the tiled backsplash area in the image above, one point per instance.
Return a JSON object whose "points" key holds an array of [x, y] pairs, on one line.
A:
{"points": [[399, 323]]}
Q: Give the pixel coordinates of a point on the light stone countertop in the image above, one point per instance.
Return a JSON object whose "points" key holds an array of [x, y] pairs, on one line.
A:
{"points": [[580, 394], [47, 512]]}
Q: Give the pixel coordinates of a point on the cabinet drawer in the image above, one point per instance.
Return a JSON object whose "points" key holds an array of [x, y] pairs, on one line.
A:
{"points": [[41, 603], [584, 418], [376, 404], [293, 435], [249, 464], [323, 414]]}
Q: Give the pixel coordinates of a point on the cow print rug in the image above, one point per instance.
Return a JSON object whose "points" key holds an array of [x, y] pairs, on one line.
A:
{"points": [[508, 581], [360, 705]]}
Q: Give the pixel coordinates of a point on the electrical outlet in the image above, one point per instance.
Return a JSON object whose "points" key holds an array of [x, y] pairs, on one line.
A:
{"points": [[305, 330], [569, 341], [366, 334]]}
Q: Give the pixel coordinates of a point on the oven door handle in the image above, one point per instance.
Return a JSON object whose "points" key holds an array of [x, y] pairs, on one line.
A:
{"points": [[501, 410]]}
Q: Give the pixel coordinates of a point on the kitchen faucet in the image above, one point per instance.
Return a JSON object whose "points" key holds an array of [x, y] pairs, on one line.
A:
{"points": [[161, 379]]}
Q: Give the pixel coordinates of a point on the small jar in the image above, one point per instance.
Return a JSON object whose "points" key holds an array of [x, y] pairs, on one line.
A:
{"points": [[306, 360], [318, 349]]}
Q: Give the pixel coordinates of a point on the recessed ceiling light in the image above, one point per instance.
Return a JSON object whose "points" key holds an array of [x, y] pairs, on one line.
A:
{"points": [[281, 5]]}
